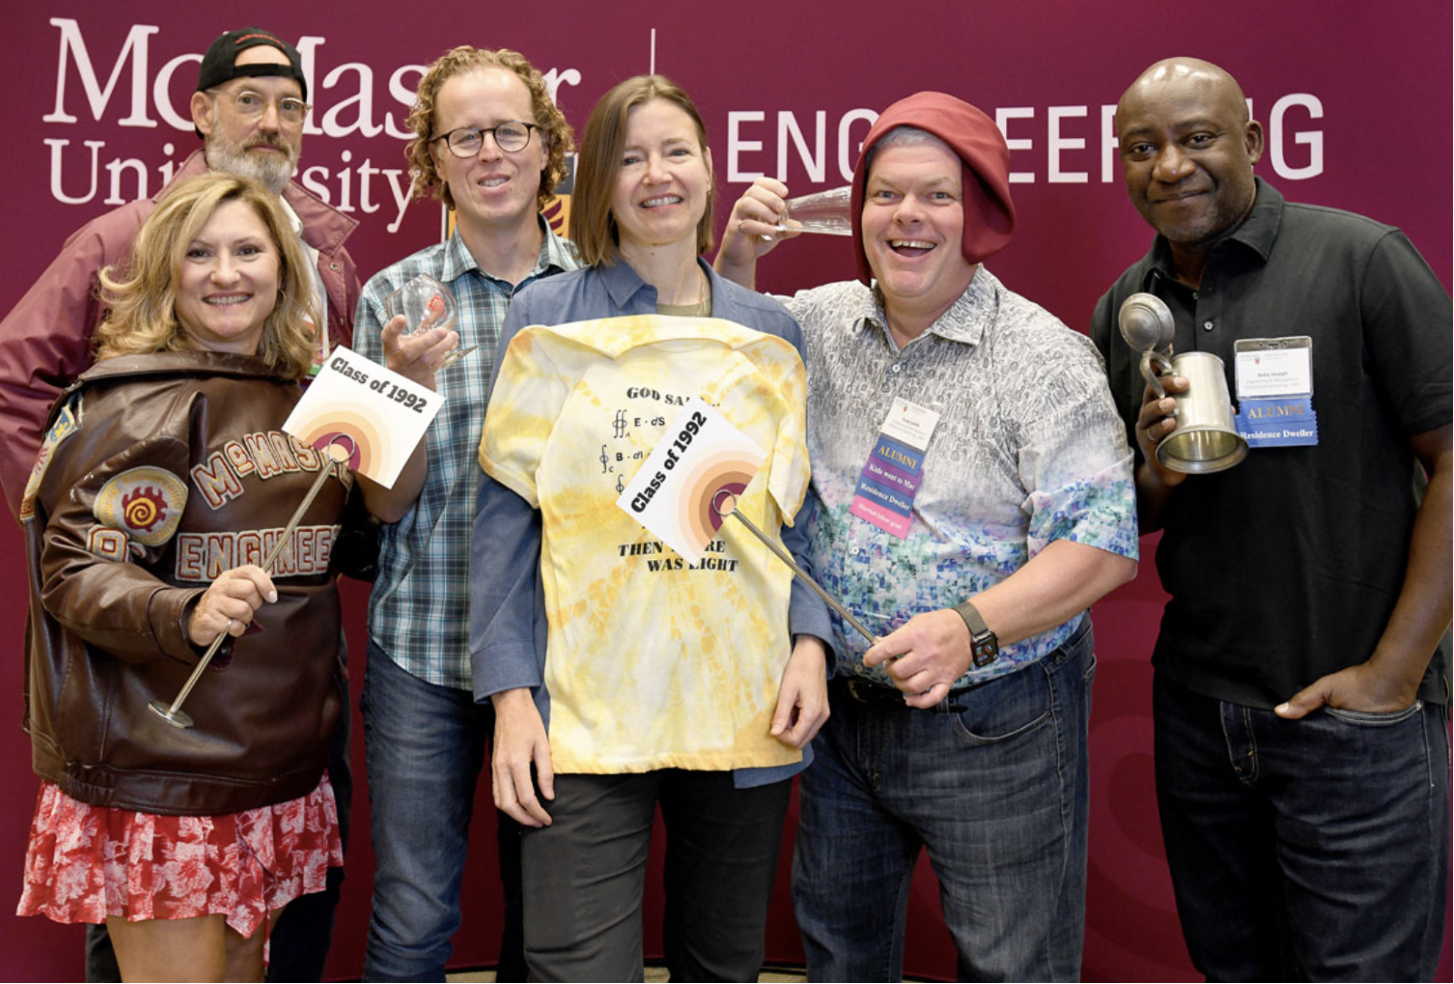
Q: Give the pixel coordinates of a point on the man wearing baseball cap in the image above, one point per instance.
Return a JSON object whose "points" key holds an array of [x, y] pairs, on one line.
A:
{"points": [[974, 498], [249, 108]]}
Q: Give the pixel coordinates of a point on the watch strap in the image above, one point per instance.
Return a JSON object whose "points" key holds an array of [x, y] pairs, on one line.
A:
{"points": [[984, 646]]}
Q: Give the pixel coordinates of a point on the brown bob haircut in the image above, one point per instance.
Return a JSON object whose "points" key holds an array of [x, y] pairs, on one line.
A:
{"points": [[592, 226], [458, 61], [141, 296]]}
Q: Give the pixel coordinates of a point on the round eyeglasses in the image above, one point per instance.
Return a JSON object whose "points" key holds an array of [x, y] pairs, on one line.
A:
{"points": [[466, 141], [250, 105]]}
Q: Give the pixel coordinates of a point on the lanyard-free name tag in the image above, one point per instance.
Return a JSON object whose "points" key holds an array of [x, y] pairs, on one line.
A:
{"points": [[1275, 392], [891, 477]]}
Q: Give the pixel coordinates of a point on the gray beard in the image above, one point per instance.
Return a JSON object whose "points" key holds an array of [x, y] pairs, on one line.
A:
{"points": [[271, 171]]}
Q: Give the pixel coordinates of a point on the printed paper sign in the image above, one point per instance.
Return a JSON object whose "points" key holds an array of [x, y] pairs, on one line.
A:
{"points": [[377, 414], [685, 480]]}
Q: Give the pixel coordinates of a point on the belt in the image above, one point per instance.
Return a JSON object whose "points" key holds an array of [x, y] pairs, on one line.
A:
{"points": [[864, 691]]}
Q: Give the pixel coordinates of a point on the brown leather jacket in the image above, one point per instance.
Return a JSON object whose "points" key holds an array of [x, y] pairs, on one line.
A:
{"points": [[159, 472]]}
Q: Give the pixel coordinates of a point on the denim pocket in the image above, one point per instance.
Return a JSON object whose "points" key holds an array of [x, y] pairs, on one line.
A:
{"points": [[1378, 719], [1005, 708]]}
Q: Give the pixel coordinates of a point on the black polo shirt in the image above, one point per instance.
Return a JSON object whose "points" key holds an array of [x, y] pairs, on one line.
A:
{"points": [[1287, 566]]}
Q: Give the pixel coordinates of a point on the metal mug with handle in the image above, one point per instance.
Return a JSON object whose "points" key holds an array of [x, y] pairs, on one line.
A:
{"points": [[1205, 439]]}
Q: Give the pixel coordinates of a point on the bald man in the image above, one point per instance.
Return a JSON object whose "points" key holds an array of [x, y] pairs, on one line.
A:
{"points": [[1302, 763]]}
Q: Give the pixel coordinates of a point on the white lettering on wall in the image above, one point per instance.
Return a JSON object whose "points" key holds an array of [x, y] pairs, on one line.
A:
{"points": [[1056, 143], [56, 191], [737, 146], [1003, 115], [845, 145], [74, 46], [1313, 139], [813, 160]]}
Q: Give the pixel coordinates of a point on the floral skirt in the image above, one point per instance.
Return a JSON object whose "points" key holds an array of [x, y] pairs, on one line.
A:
{"points": [[86, 863]]}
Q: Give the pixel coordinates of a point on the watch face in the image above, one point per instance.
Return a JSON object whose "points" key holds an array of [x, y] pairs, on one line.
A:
{"points": [[985, 649]]}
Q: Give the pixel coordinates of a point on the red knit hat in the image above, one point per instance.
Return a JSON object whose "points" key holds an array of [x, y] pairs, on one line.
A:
{"points": [[989, 214]]}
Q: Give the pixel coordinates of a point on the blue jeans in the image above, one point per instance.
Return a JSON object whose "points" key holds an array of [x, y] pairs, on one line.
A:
{"points": [[424, 746], [993, 782], [1304, 850]]}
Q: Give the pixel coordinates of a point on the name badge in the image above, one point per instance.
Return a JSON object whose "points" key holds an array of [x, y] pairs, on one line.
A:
{"points": [[895, 468], [1275, 392]]}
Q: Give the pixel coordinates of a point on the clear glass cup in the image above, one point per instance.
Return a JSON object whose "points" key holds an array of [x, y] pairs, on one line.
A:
{"points": [[826, 212], [425, 304]]}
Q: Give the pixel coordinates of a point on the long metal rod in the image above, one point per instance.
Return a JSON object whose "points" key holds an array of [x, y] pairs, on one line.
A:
{"points": [[268, 562], [802, 575]]}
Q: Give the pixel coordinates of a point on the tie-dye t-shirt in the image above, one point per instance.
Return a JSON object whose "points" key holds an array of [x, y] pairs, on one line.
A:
{"points": [[651, 662], [1028, 449]]}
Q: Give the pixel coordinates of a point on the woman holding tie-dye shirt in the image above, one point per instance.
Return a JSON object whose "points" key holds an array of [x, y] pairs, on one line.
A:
{"points": [[694, 686]]}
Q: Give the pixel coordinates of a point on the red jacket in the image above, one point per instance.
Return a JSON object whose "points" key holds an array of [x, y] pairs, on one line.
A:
{"points": [[45, 341]]}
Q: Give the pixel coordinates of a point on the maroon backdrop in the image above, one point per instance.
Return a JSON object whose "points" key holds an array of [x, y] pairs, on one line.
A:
{"points": [[1355, 98]]}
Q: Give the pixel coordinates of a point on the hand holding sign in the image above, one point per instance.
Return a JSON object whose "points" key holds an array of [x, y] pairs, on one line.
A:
{"points": [[382, 414], [358, 414]]}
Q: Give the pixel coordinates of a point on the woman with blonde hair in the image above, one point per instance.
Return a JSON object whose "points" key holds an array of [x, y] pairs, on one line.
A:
{"points": [[164, 479]]}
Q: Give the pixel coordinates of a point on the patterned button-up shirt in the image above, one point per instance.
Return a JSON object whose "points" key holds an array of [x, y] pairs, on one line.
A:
{"points": [[419, 610], [1028, 449]]}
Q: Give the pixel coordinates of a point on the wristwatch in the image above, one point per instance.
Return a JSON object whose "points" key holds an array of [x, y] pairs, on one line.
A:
{"points": [[984, 647]]}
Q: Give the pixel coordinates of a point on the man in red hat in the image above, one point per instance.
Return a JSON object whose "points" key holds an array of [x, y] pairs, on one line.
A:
{"points": [[249, 108], [974, 497]]}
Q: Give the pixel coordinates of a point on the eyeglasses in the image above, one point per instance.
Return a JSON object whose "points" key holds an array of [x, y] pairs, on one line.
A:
{"points": [[250, 105], [466, 141]]}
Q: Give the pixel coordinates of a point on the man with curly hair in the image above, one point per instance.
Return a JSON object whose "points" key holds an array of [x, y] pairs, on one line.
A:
{"points": [[490, 143]]}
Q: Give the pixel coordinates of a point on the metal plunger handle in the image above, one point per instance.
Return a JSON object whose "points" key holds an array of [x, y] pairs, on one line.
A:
{"points": [[802, 575], [336, 455]]}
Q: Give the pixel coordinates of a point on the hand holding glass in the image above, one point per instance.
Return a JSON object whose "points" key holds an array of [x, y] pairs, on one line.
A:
{"points": [[426, 304], [826, 212]]}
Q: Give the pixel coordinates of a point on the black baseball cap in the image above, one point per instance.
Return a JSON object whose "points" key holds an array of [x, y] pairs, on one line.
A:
{"points": [[219, 64]]}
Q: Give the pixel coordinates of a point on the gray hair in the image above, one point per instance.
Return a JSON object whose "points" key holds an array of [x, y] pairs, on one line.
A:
{"points": [[903, 136]]}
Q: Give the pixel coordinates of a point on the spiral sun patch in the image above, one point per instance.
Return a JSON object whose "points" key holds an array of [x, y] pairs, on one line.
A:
{"points": [[144, 503]]}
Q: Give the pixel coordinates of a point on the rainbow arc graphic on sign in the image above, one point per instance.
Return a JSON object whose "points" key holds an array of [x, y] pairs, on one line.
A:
{"points": [[692, 478], [360, 428]]}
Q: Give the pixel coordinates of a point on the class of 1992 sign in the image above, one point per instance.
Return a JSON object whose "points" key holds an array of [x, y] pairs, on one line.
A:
{"points": [[377, 414], [699, 455]]}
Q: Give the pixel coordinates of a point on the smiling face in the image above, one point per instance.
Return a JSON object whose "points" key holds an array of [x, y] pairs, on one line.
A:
{"points": [[1188, 149], [492, 190], [228, 281], [913, 232], [663, 180], [263, 146]]}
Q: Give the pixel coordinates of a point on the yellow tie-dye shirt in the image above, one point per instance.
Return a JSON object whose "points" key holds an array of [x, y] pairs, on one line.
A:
{"points": [[651, 662]]}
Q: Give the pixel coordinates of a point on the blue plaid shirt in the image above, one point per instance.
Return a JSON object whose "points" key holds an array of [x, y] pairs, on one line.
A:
{"points": [[419, 611]]}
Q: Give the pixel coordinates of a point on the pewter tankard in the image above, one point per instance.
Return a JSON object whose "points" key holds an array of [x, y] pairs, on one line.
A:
{"points": [[1205, 439]]}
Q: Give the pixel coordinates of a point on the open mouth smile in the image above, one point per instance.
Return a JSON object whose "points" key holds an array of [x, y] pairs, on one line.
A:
{"points": [[911, 247]]}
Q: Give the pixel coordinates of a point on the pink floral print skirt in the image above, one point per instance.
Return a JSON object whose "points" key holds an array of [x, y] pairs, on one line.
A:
{"points": [[89, 862]]}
